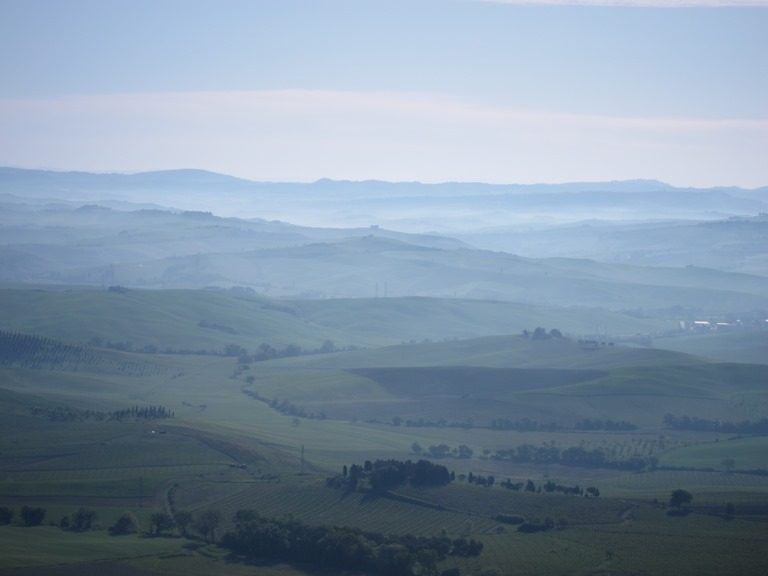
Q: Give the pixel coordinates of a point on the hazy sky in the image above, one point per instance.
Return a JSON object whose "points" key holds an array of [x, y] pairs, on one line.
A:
{"points": [[429, 90]]}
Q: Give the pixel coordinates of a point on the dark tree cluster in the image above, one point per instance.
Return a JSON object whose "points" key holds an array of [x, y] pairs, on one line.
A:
{"points": [[577, 456], [339, 547], [757, 427], [32, 516], [384, 475], [540, 333]]}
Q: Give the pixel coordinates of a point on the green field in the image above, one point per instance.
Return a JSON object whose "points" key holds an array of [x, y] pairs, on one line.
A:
{"points": [[246, 432]]}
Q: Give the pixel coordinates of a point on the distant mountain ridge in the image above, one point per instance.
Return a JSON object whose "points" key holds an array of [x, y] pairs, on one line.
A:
{"points": [[191, 176], [446, 208]]}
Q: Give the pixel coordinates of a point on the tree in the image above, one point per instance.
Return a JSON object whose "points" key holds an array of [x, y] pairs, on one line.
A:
{"points": [[464, 451], [680, 497], [126, 524], [729, 464], [207, 523], [82, 519], [183, 520], [6, 515], [32, 516], [539, 334], [160, 521]]}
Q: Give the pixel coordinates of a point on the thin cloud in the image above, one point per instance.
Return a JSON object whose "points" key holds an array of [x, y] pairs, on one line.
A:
{"points": [[296, 135], [639, 3]]}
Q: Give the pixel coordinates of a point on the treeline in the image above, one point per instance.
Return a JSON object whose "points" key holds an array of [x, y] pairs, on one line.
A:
{"points": [[758, 427], [341, 548], [285, 407], [548, 487], [524, 425], [574, 456], [268, 352], [69, 414], [384, 475], [609, 425]]}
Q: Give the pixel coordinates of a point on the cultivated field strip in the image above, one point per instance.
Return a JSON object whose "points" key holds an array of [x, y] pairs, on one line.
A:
{"points": [[319, 505], [693, 480]]}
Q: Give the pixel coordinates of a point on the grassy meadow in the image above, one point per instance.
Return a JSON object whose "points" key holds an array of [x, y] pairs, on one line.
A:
{"points": [[404, 379]]}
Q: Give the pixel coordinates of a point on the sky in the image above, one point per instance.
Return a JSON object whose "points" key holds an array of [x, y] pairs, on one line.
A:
{"points": [[497, 91]]}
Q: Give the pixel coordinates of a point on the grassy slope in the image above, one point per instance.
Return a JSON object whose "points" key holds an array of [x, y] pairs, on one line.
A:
{"points": [[747, 347]]}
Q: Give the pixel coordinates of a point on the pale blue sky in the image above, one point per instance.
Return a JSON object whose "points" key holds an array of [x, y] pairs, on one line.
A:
{"points": [[430, 90]]}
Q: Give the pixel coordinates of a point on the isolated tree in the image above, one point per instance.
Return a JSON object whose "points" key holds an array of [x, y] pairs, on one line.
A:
{"points": [[126, 524], [183, 520], [207, 523], [160, 521], [729, 464], [417, 449], [680, 497]]}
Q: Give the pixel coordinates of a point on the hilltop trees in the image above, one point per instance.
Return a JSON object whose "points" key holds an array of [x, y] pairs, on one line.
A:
{"points": [[384, 475]]}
